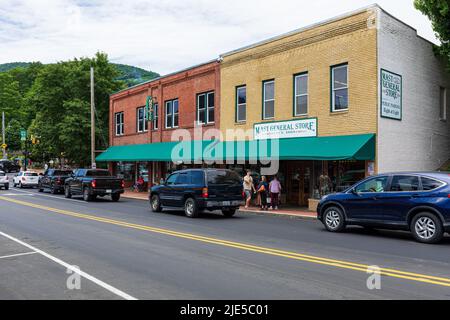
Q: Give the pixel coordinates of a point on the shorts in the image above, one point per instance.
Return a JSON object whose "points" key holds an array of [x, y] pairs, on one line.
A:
{"points": [[248, 193]]}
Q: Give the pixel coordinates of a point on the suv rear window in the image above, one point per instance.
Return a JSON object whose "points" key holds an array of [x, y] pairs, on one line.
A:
{"points": [[30, 174], [2, 174], [405, 183], [223, 177], [430, 184]]}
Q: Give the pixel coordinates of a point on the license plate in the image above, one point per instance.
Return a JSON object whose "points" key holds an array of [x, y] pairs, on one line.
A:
{"points": [[226, 203], [109, 191]]}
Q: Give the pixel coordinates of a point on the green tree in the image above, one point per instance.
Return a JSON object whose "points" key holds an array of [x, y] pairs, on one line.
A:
{"points": [[12, 135], [60, 100], [10, 98], [438, 11]]}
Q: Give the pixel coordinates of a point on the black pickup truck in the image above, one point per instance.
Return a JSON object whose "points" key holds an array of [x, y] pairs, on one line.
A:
{"points": [[54, 180], [91, 183]]}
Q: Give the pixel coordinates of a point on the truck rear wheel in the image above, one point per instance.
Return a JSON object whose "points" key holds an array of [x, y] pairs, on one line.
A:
{"points": [[53, 190], [67, 192], [86, 196], [115, 197]]}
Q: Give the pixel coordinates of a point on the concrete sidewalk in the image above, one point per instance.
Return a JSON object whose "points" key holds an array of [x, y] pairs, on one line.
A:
{"points": [[292, 212], [135, 195], [299, 213]]}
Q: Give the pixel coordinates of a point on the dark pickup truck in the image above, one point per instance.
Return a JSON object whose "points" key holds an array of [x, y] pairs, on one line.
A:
{"points": [[91, 183], [54, 180]]}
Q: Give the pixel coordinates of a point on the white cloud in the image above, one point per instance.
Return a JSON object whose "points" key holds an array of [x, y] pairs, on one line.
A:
{"points": [[163, 35]]}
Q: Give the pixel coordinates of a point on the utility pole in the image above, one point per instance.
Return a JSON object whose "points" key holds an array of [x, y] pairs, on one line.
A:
{"points": [[3, 134], [94, 166]]}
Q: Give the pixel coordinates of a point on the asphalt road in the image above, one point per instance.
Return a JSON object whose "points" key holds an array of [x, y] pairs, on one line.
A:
{"points": [[125, 251]]}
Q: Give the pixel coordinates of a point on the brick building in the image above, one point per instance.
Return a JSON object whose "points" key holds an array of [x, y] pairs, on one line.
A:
{"points": [[182, 100], [345, 98]]}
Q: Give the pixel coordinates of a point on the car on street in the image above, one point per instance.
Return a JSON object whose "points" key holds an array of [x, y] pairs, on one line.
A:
{"points": [[412, 201], [92, 183], [8, 166], [195, 190], [26, 179], [4, 180], [54, 180]]}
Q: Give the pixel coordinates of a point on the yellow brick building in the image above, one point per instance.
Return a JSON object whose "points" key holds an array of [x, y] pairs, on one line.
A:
{"points": [[327, 72], [314, 50]]}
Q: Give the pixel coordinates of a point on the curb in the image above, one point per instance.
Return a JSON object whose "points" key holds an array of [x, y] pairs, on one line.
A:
{"points": [[258, 212], [284, 215]]}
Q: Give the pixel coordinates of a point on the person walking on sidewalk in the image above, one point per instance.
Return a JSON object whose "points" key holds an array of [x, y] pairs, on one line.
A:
{"points": [[275, 190], [263, 187], [249, 188]]}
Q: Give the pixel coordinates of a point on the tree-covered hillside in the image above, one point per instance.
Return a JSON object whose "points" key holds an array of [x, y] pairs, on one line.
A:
{"points": [[12, 65], [128, 74], [134, 75]]}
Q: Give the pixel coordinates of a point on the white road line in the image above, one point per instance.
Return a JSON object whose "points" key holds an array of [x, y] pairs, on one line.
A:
{"points": [[16, 194], [18, 255], [48, 196], [70, 267]]}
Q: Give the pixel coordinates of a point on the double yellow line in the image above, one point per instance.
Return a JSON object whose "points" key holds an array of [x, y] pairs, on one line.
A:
{"points": [[247, 247]]}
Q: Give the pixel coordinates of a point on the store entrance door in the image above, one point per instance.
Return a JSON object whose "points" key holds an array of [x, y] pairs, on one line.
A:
{"points": [[298, 180]]}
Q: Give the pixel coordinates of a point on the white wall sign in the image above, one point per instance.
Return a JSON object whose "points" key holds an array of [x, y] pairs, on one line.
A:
{"points": [[301, 128], [391, 95]]}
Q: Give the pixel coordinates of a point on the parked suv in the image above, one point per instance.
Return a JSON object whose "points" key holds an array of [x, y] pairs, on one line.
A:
{"points": [[4, 180], [26, 179], [9, 166], [195, 190], [417, 202]]}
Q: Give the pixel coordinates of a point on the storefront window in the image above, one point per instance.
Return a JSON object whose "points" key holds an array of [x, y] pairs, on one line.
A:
{"points": [[143, 171], [336, 176], [125, 171]]}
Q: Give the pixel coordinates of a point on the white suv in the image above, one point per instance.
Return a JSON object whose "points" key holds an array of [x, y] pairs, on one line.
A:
{"points": [[4, 180], [26, 179]]}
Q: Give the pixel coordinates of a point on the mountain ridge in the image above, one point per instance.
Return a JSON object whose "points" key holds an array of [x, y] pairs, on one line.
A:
{"points": [[131, 75]]}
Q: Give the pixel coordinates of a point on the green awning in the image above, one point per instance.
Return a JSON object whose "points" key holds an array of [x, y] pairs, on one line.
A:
{"points": [[161, 151], [353, 147]]}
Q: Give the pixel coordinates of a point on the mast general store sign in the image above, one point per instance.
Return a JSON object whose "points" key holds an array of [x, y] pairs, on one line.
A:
{"points": [[391, 95], [286, 129]]}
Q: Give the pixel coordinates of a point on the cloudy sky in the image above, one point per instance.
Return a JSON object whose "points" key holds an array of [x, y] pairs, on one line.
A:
{"points": [[163, 35]]}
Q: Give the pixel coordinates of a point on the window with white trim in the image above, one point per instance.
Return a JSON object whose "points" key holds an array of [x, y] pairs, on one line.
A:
{"points": [[339, 88], [301, 94], [141, 118], [119, 121], [268, 99], [172, 113], [442, 104], [155, 116], [241, 104], [205, 108]]}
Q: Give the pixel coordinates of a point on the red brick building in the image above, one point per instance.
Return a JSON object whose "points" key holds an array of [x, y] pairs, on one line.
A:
{"points": [[182, 100]]}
